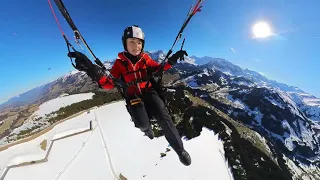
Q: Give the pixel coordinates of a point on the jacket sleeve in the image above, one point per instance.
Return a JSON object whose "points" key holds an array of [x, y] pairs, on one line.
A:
{"points": [[106, 82], [151, 63]]}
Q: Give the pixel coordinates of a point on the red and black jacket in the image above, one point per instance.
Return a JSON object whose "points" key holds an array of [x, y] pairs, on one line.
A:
{"points": [[130, 72]]}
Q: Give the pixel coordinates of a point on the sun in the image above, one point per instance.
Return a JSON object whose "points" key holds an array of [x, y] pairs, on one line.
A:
{"points": [[261, 30]]}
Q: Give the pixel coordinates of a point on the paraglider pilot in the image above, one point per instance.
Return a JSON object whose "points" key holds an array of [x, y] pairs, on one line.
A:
{"points": [[142, 99]]}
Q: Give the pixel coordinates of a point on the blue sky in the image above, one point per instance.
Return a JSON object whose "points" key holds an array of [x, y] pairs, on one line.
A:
{"points": [[31, 42]]}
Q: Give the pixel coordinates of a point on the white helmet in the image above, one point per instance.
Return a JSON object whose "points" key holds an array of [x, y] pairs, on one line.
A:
{"points": [[132, 32]]}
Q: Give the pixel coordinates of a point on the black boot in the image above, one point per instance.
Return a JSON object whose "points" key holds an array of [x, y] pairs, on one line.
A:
{"points": [[149, 133], [185, 158]]}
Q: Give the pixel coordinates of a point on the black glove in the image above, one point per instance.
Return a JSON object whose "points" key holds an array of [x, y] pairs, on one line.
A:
{"points": [[83, 63], [178, 55]]}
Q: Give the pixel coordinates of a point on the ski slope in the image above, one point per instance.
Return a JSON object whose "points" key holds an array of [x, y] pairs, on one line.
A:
{"points": [[114, 146]]}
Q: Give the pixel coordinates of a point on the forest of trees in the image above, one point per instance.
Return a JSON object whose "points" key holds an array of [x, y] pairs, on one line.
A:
{"points": [[98, 99]]}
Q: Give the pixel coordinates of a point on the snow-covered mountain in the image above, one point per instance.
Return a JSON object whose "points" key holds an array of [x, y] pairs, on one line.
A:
{"points": [[72, 82], [159, 56], [234, 70], [306, 102], [285, 115], [78, 82], [287, 118]]}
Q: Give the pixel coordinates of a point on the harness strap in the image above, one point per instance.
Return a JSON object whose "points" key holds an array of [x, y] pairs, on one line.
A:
{"points": [[140, 80]]}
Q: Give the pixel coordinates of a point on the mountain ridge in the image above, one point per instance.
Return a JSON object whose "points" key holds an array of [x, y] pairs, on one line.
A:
{"points": [[223, 65]]}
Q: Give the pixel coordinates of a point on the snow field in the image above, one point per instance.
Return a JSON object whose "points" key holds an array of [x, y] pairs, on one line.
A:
{"points": [[115, 146], [31, 150], [47, 108], [57, 160], [57, 103], [135, 155]]}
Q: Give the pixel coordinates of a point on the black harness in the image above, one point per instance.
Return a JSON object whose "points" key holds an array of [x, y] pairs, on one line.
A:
{"points": [[149, 78]]}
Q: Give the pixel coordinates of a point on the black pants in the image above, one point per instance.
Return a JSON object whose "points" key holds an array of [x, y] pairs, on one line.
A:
{"points": [[154, 106]]}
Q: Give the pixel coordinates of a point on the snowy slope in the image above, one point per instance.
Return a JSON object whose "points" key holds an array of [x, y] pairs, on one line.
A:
{"points": [[188, 60], [39, 117], [115, 146], [206, 162], [276, 111], [307, 103], [157, 55], [62, 101], [32, 151]]}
